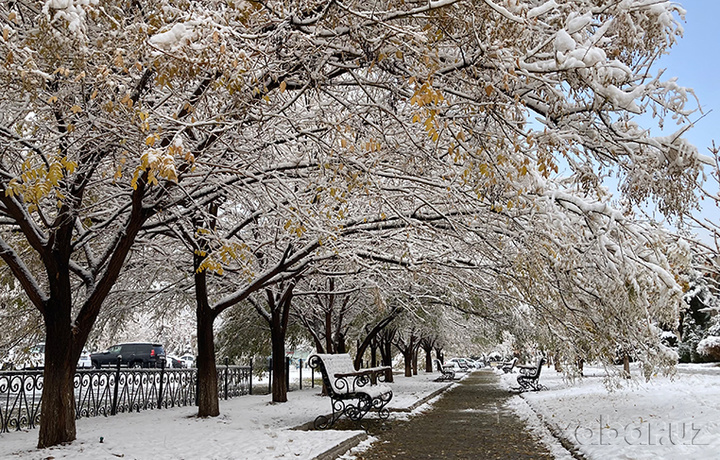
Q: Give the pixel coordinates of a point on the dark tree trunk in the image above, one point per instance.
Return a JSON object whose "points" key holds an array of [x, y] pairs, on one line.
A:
{"points": [[428, 359], [58, 405], [386, 353], [328, 333], [208, 396], [414, 361], [207, 385], [373, 353], [340, 345], [277, 334], [278, 318], [407, 357], [427, 346]]}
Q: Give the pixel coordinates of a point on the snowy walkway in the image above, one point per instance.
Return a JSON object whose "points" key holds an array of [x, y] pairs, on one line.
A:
{"points": [[472, 421]]}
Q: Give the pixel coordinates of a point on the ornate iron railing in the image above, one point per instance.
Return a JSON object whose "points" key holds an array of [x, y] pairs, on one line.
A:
{"points": [[109, 391]]}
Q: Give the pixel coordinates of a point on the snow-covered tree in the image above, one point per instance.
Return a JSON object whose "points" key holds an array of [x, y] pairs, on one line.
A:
{"points": [[396, 131]]}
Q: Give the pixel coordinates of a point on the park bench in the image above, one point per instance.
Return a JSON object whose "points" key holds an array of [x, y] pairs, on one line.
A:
{"points": [[508, 366], [353, 393], [529, 378], [447, 371]]}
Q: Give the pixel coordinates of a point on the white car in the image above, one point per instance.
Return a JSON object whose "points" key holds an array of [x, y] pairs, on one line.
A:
{"points": [[188, 361], [84, 361]]}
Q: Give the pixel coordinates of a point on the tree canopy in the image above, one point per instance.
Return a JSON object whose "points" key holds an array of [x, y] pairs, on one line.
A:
{"points": [[464, 142]]}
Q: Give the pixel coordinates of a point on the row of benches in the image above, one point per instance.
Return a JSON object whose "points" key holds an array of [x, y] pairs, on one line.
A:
{"points": [[354, 393]]}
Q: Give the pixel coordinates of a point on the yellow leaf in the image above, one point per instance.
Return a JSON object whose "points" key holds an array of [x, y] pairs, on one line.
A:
{"points": [[150, 141], [489, 90], [6, 33], [283, 85], [11, 16], [75, 109], [52, 100]]}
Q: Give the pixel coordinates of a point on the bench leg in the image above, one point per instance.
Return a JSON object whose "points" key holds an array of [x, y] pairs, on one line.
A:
{"points": [[322, 422], [356, 412]]}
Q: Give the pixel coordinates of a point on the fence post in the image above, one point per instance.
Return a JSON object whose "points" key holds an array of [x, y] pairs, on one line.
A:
{"points": [[227, 363], [270, 375], [300, 369], [113, 409], [287, 373], [162, 376], [251, 373]]}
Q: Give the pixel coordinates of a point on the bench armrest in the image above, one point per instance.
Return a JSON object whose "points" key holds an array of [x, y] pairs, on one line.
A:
{"points": [[351, 374], [360, 372], [362, 377], [377, 369]]}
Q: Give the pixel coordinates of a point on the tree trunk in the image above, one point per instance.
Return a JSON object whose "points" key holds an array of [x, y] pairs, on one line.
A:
{"points": [[386, 352], [414, 361], [279, 316], [277, 334], [328, 333], [208, 397], [207, 385], [428, 359], [58, 406], [407, 358], [626, 366]]}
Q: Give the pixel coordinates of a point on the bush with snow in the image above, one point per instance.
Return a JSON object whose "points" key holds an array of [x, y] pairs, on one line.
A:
{"points": [[710, 346]]}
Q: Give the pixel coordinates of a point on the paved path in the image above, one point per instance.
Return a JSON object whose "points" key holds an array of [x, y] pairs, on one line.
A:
{"points": [[468, 422]]}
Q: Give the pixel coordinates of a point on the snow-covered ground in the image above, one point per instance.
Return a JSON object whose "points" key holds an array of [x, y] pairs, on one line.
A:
{"points": [[250, 427], [666, 418]]}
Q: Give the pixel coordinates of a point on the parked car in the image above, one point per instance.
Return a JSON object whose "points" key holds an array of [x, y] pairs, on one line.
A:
{"points": [[84, 361], [174, 362], [188, 361], [143, 354]]}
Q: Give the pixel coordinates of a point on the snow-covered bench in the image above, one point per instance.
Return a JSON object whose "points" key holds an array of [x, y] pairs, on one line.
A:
{"points": [[352, 392], [508, 366], [529, 378], [447, 371]]}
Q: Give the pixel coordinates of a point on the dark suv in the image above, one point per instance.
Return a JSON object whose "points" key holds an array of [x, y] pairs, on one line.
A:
{"points": [[133, 355]]}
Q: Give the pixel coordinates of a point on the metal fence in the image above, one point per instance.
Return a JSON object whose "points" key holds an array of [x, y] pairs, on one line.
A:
{"points": [[110, 391]]}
